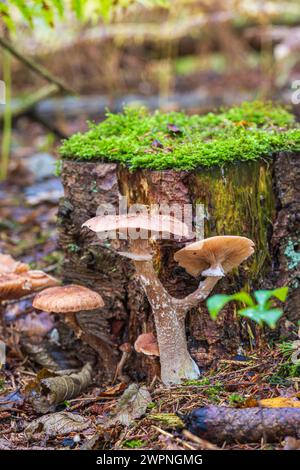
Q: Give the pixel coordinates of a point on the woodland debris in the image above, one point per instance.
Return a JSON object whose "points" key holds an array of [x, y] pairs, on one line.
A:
{"points": [[45, 393], [290, 443], [57, 424], [131, 405], [11, 400], [167, 420], [220, 424]]}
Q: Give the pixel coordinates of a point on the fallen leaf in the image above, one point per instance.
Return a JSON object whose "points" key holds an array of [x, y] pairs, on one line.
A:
{"points": [[35, 324], [13, 399], [46, 392], [58, 424], [280, 402], [291, 443], [131, 405], [112, 391]]}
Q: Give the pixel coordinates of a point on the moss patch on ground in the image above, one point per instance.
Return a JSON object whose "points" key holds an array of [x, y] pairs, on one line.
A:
{"points": [[175, 140]]}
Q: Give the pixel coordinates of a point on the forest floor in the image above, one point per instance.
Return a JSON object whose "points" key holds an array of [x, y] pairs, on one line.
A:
{"points": [[28, 209]]}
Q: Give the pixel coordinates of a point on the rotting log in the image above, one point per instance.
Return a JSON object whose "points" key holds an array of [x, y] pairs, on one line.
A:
{"points": [[259, 200], [219, 424]]}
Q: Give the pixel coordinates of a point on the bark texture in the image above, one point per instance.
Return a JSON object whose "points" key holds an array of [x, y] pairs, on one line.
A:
{"points": [[220, 424], [259, 200]]}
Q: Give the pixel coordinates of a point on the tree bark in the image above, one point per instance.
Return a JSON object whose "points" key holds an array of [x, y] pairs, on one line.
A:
{"points": [[258, 200], [219, 424]]}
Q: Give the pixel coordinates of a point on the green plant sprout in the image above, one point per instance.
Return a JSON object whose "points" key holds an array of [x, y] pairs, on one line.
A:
{"points": [[262, 311]]}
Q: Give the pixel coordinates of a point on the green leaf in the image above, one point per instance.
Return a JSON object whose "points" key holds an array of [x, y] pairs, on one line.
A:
{"points": [[25, 10], [5, 16], [216, 303], [243, 297], [77, 6], [260, 316], [262, 296], [58, 4]]}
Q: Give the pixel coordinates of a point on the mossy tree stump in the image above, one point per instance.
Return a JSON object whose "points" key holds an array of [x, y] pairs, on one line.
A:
{"points": [[258, 199]]}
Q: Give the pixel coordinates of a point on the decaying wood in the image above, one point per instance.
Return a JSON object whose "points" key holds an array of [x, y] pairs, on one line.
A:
{"points": [[258, 200], [220, 424]]}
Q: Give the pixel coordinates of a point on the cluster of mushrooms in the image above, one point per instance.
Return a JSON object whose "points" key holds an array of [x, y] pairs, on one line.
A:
{"points": [[211, 258]]}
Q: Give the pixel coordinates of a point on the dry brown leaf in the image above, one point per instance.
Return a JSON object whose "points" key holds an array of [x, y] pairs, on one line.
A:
{"points": [[131, 405], [57, 424], [112, 391], [46, 392], [280, 402], [35, 324], [291, 443]]}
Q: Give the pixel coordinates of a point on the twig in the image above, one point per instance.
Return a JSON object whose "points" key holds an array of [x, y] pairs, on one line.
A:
{"points": [[39, 69], [205, 445], [177, 439]]}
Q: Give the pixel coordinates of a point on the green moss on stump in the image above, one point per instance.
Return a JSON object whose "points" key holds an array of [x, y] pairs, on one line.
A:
{"points": [[160, 141]]}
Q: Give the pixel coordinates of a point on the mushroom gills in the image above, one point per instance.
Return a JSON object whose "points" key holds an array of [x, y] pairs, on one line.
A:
{"points": [[214, 271]]}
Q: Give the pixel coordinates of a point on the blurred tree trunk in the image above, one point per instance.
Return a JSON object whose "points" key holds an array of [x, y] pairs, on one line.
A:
{"points": [[258, 200]]}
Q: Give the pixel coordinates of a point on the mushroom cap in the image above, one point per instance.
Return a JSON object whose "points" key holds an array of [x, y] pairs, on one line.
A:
{"points": [[9, 265], [67, 299], [226, 251], [125, 347], [16, 285], [153, 222], [147, 344]]}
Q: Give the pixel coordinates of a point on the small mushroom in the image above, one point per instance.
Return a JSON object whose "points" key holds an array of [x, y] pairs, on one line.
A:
{"points": [[125, 349], [214, 256], [146, 343], [67, 301]]}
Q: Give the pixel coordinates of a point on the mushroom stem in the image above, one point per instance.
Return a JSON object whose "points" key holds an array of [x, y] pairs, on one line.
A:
{"points": [[169, 316], [120, 365]]}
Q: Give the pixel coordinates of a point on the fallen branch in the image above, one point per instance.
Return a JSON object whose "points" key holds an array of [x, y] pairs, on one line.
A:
{"points": [[219, 424], [21, 106], [42, 71]]}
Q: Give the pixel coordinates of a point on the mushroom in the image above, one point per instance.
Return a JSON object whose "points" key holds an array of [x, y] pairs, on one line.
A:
{"points": [[9, 265], [169, 312], [214, 256], [125, 349], [15, 285], [69, 300], [146, 343]]}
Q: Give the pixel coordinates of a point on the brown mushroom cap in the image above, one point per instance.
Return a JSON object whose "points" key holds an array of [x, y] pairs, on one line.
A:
{"points": [[16, 285], [9, 265], [147, 344], [152, 222], [214, 256], [67, 299], [125, 348]]}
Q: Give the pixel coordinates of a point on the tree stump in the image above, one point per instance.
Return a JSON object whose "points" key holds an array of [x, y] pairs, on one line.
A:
{"points": [[258, 199]]}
